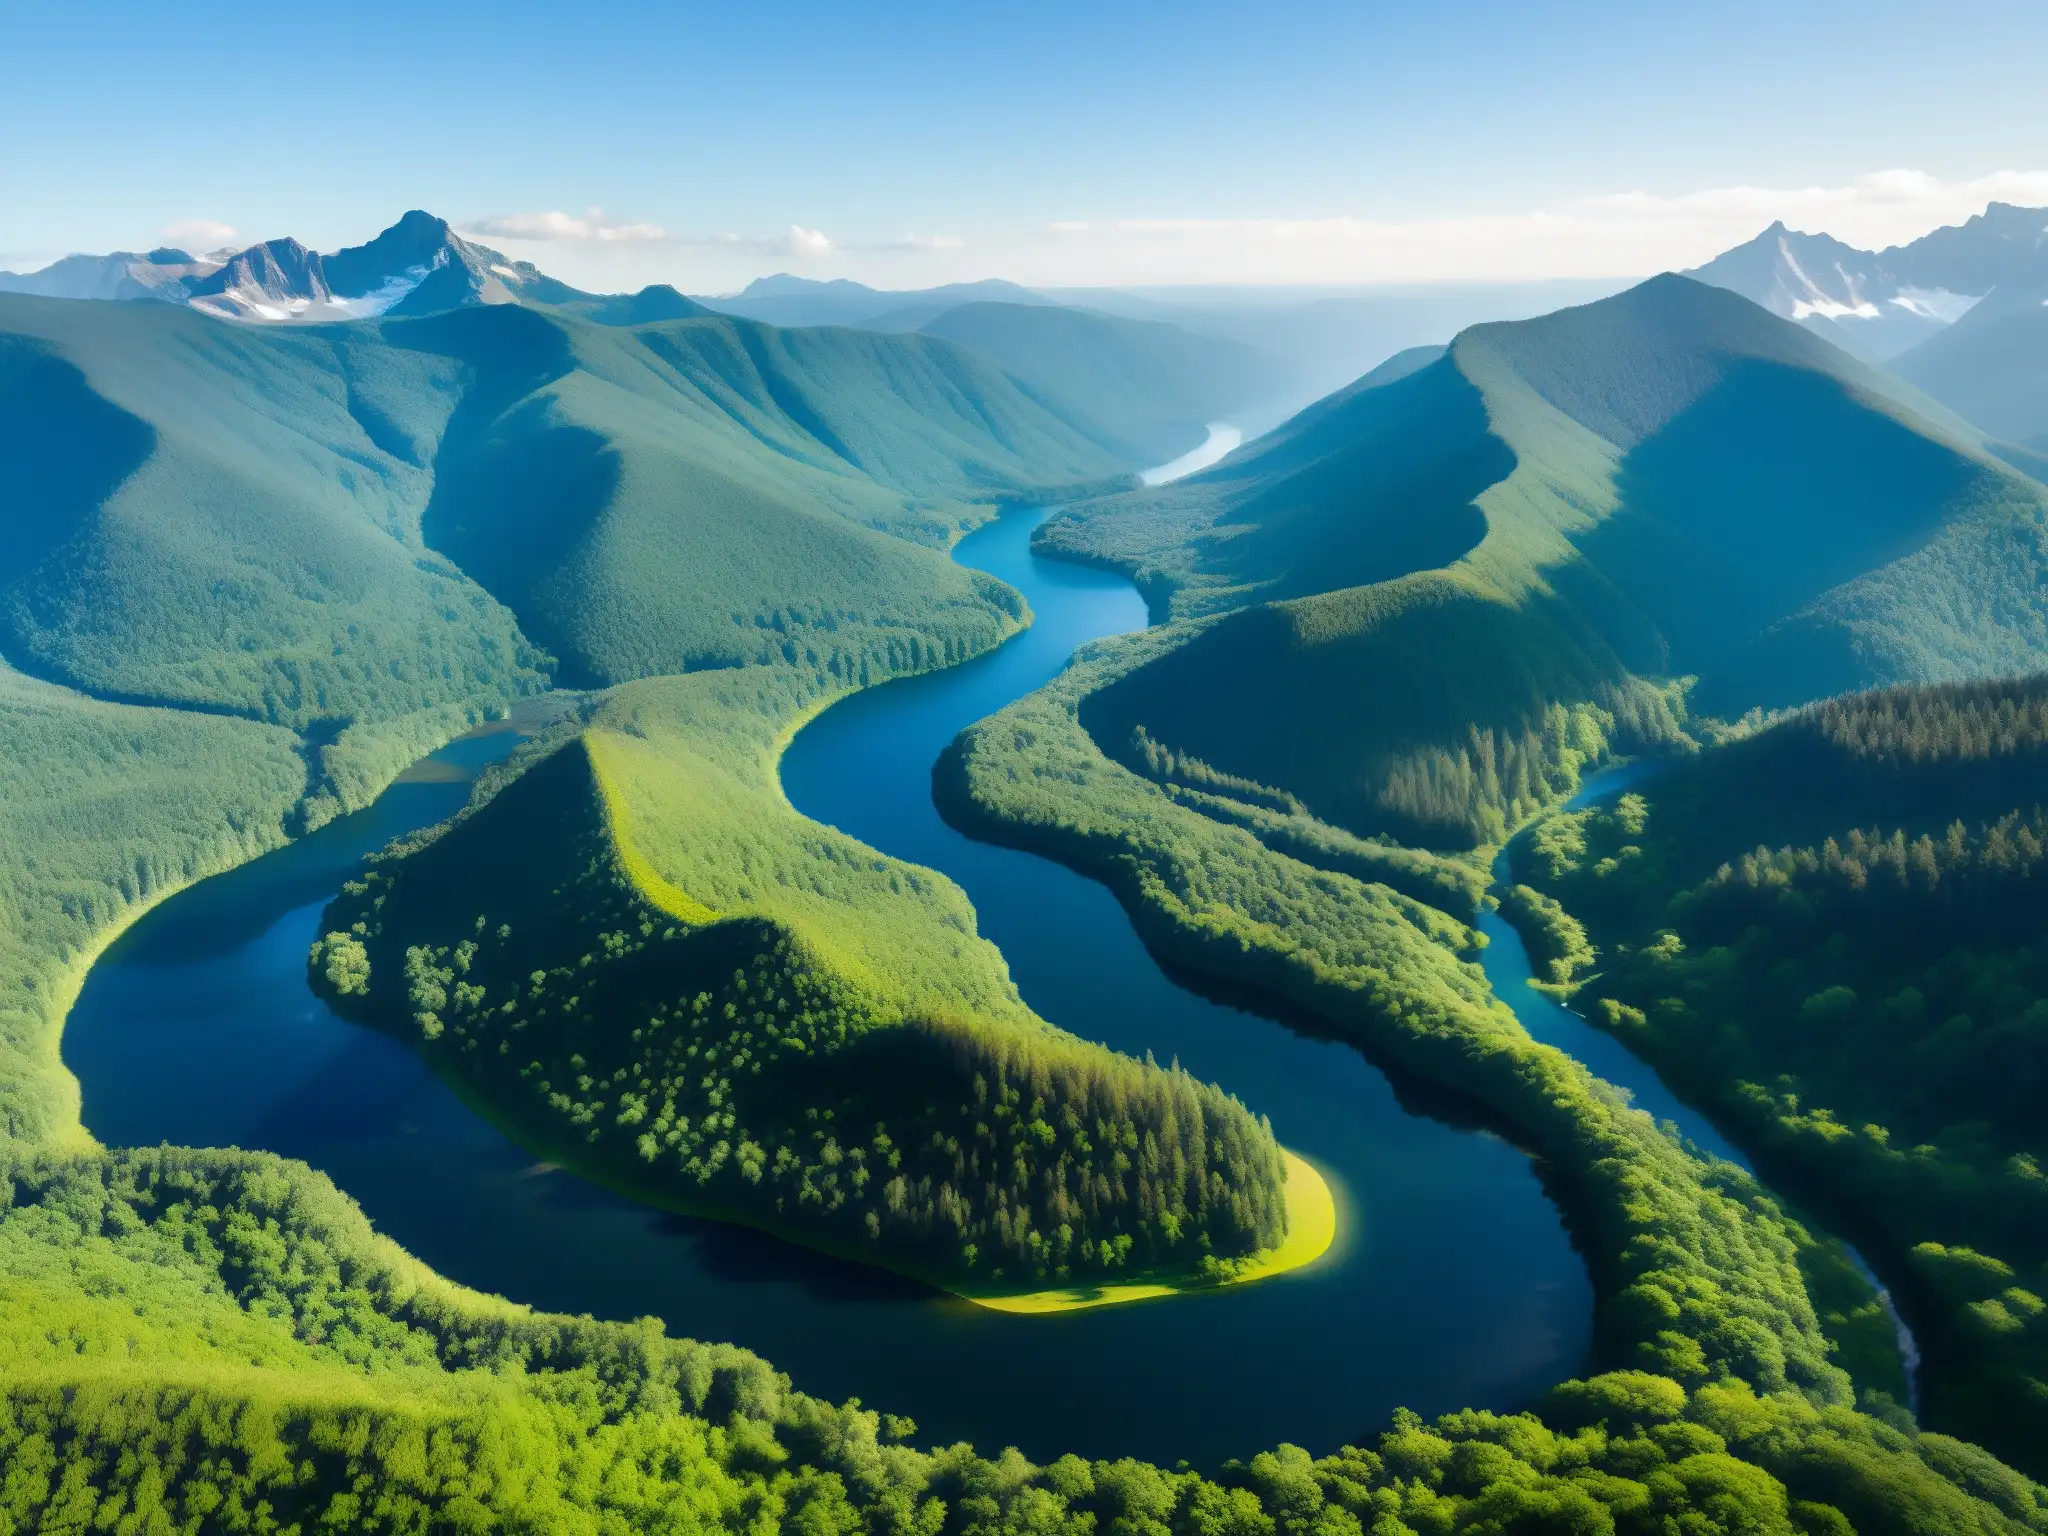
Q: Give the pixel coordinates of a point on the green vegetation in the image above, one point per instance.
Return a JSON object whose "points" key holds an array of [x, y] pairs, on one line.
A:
{"points": [[1415, 615], [207, 1341], [106, 809], [1460, 715], [203, 523], [263, 521], [1556, 940], [1701, 1280], [640, 956], [709, 492], [1433, 597], [1830, 932]]}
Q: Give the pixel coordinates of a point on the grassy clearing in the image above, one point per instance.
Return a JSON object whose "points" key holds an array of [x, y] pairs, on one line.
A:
{"points": [[1311, 1233]]}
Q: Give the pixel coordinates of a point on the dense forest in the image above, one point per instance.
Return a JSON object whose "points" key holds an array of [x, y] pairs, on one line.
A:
{"points": [[1699, 1276], [246, 1356], [215, 1341], [1831, 931], [692, 1038], [1452, 728]]}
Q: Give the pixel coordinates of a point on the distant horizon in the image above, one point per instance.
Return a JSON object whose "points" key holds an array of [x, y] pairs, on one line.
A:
{"points": [[1912, 207]]}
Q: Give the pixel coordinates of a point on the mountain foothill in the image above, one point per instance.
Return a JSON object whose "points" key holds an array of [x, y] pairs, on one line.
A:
{"points": [[282, 522]]}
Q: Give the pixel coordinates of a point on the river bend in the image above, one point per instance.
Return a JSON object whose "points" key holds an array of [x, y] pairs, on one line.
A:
{"points": [[1453, 1282]]}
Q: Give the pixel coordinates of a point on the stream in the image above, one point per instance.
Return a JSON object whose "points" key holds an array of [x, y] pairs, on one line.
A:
{"points": [[1507, 967]]}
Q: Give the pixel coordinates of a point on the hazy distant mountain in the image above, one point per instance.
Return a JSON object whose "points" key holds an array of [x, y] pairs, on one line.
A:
{"points": [[657, 301], [785, 299], [1310, 341], [1991, 367], [161, 273], [1961, 312], [1146, 390], [1326, 338], [417, 266], [1880, 304], [1852, 297]]}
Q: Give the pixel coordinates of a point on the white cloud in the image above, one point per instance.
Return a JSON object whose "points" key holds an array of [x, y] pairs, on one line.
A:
{"points": [[556, 225], [1602, 233], [198, 234], [808, 242], [796, 242], [917, 243], [1617, 234], [592, 227]]}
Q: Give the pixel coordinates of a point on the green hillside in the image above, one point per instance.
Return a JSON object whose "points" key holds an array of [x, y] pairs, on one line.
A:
{"points": [[1145, 389], [1830, 933], [204, 520], [265, 521], [711, 492], [106, 809], [1330, 688], [1704, 1285], [641, 957], [1440, 592]]}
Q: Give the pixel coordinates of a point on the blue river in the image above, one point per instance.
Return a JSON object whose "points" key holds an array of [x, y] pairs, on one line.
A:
{"points": [[1453, 1283]]}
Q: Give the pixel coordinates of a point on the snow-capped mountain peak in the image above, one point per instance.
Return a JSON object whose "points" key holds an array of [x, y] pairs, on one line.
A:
{"points": [[417, 266], [1880, 304]]}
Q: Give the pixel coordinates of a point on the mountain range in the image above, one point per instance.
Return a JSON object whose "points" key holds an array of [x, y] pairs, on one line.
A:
{"points": [[417, 266], [333, 527], [1881, 304], [1962, 313], [786, 299], [1420, 588]]}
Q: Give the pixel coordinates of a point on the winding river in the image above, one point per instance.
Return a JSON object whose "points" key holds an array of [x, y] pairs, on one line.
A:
{"points": [[1507, 967], [1453, 1282]]}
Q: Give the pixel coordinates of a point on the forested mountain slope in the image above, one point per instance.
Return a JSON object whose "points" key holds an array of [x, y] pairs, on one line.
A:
{"points": [[713, 492], [367, 520], [204, 1340], [1830, 933], [104, 809], [1487, 568], [199, 516]]}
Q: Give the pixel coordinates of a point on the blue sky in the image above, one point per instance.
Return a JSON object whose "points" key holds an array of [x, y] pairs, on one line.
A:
{"points": [[1055, 142]]}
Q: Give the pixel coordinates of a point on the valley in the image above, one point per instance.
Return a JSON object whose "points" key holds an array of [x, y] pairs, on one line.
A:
{"points": [[1065, 951], [1427, 1207]]}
